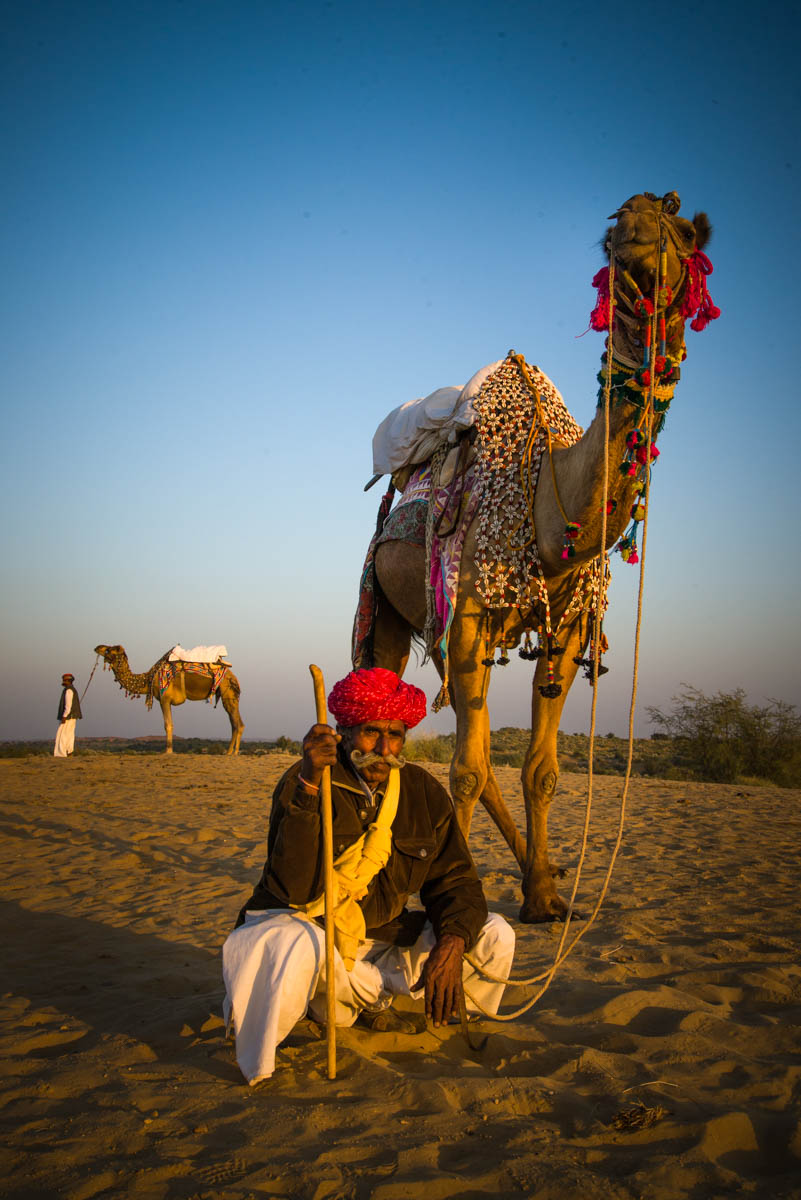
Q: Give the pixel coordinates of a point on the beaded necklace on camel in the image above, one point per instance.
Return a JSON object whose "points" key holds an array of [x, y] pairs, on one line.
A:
{"points": [[650, 386]]}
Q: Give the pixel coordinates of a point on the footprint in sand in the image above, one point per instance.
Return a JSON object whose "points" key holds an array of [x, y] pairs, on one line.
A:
{"points": [[223, 1172]]}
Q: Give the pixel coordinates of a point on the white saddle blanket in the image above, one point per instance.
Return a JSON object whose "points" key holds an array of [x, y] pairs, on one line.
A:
{"points": [[413, 431], [199, 654]]}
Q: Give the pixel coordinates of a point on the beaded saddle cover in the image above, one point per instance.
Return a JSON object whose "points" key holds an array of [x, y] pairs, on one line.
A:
{"points": [[518, 410]]}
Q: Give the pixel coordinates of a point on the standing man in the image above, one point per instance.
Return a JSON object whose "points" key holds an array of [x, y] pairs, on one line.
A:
{"points": [[395, 836], [69, 711]]}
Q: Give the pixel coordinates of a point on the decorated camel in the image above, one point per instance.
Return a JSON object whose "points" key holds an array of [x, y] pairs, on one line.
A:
{"points": [[172, 683], [504, 555]]}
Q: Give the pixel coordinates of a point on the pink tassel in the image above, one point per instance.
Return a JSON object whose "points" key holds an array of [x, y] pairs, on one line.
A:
{"points": [[697, 302], [599, 317]]}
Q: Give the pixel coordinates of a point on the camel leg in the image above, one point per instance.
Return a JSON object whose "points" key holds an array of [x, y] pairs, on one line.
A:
{"points": [[540, 773], [400, 568], [493, 801], [230, 702], [392, 638], [469, 681], [166, 711]]}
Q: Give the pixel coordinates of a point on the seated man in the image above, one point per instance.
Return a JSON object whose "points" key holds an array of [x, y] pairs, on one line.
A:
{"points": [[395, 835]]}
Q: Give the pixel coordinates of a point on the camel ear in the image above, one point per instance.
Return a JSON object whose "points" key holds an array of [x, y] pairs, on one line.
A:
{"points": [[606, 242], [703, 229]]}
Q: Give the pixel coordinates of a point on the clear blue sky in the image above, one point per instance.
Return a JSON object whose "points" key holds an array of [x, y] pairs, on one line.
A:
{"points": [[236, 235]]}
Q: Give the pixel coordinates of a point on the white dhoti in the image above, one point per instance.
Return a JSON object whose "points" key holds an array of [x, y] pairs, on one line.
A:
{"points": [[274, 970], [65, 738]]}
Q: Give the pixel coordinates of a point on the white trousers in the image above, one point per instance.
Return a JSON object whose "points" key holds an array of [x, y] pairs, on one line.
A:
{"points": [[274, 970], [65, 738]]}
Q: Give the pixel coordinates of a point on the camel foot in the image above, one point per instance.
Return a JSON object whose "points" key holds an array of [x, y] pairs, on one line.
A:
{"points": [[537, 910], [550, 911]]}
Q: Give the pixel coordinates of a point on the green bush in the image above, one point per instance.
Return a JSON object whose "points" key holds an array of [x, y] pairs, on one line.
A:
{"points": [[286, 745], [437, 749], [24, 749], [723, 739]]}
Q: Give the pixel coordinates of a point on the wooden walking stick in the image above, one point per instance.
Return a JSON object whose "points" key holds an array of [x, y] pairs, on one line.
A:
{"points": [[328, 868]]}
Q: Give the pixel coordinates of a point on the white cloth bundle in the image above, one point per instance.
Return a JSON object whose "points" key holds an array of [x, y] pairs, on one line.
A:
{"points": [[199, 654], [413, 431]]}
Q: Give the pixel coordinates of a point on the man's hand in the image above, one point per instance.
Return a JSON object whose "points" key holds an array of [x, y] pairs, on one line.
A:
{"points": [[319, 752], [442, 977]]}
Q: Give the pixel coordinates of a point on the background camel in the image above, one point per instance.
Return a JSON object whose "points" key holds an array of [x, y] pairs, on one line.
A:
{"points": [[653, 253], [184, 685]]}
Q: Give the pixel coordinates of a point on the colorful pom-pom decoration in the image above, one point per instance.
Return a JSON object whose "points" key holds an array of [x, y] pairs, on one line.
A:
{"points": [[697, 302], [572, 530]]}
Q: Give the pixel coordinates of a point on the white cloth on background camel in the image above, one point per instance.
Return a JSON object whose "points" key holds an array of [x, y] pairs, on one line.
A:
{"points": [[274, 971], [200, 654], [65, 737], [413, 431]]}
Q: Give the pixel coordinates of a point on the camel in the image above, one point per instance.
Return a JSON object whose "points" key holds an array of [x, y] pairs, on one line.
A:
{"points": [[184, 685], [648, 242]]}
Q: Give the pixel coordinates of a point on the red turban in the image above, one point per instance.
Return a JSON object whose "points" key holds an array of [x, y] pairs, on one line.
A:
{"points": [[375, 694]]}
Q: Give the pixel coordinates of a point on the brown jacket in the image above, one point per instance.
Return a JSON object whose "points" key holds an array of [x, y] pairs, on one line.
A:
{"points": [[429, 856]]}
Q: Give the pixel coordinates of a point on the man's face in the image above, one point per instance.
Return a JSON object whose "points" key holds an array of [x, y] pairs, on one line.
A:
{"points": [[374, 738]]}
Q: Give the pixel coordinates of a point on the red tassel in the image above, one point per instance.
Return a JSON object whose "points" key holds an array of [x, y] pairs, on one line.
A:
{"points": [[599, 317], [697, 301]]}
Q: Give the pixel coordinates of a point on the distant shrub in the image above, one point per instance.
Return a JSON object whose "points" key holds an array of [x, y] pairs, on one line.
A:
{"points": [[437, 749], [286, 745], [723, 738], [23, 749]]}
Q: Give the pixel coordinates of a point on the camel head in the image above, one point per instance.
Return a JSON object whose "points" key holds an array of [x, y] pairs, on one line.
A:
{"points": [[110, 653], [649, 241]]}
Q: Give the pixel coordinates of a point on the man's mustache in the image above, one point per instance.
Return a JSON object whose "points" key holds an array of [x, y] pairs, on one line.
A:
{"points": [[364, 758]]}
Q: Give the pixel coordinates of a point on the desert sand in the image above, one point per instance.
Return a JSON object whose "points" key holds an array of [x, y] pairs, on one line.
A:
{"points": [[681, 1006]]}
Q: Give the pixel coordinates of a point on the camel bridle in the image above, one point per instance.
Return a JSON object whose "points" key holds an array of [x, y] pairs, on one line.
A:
{"points": [[563, 950]]}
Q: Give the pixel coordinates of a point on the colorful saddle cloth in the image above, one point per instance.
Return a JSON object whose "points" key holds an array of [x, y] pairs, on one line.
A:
{"points": [[168, 670], [454, 509]]}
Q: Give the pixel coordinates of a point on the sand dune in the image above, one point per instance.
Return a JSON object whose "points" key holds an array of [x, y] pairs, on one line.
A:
{"points": [[663, 1061]]}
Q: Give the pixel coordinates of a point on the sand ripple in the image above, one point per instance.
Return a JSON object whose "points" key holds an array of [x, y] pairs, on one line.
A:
{"points": [[121, 876]]}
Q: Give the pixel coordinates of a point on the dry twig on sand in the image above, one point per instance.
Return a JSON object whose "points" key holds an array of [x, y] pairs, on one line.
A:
{"points": [[639, 1116]]}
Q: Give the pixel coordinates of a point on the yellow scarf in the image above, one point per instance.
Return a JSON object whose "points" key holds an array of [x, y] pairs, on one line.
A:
{"points": [[353, 870]]}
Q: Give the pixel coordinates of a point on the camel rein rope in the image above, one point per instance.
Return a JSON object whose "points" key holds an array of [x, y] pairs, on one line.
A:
{"points": [[91, 677], [562, 952]]}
